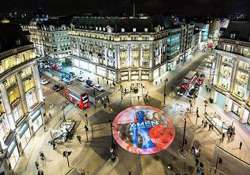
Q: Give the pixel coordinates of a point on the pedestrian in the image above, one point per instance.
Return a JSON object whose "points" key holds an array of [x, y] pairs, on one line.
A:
{"points": [[223, 136], [202, 123], [197, 111], [42, 156], [196, 161], [138, 97], [79, 139], [240, 145], [50, 116], [37, 165], [53, 144]]}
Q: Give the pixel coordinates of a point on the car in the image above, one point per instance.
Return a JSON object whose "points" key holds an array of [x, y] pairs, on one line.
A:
{"points": [[67, 81], [181, 91], [89, 83], [193, 93], [81, 79], [57, 87], [99, 88], [44, 81]]}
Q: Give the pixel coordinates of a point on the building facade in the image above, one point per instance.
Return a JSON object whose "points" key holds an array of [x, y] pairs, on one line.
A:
{"points": [[21, 99], [117, 48], [231, 79]]}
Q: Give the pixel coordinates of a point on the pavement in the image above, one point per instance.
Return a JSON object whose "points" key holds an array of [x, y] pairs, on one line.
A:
{"points": [[93, 156]]}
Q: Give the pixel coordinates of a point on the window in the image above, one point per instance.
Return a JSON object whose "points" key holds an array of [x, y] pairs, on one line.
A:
{"points": [[28, 84], [14, 94], [232, 35]]}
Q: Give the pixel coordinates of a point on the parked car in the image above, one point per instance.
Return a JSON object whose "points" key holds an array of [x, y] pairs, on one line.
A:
{"points": [[81, 79], [57, 87], [99, 88], [44, 81], [89, 83]]}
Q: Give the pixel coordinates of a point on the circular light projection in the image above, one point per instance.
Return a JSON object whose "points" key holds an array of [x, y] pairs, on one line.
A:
{"points": [[143, 130]]}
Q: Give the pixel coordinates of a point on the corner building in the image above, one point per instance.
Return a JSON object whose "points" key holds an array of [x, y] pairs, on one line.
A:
{"points": [[115, 48], [21, 99], [231, 79]]}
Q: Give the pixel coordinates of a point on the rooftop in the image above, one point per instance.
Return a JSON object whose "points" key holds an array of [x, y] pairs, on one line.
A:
{"points": [[11, 36], [238, 30], [119, 23]]}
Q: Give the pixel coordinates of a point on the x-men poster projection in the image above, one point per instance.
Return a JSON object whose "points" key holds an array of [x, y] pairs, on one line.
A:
{"points": [[143, 130]]}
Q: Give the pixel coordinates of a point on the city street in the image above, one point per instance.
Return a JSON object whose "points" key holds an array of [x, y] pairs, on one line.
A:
{"points": [[92, 154]]}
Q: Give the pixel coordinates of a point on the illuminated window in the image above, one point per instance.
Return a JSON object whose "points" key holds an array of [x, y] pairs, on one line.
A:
{"points": [[26, 72], [14, 94], [28, 84], [10, 81]]}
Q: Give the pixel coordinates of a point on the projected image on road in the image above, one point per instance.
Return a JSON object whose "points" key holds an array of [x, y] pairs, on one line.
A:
{"points": [[143, 130]]}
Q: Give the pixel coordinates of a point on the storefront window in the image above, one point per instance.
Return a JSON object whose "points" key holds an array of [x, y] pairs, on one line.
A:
{"points": [[13, 94], [240, 90], [124, 58], [4, 126], [225, 77], [135, 58], [146, 58], [17, 112], [31, 98]]}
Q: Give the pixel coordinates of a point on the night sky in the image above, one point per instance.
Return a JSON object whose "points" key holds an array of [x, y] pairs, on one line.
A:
{"points": [[117, 7]]}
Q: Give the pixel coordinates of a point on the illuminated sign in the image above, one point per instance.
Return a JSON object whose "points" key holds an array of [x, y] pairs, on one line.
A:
{"points": [[143, 130]]}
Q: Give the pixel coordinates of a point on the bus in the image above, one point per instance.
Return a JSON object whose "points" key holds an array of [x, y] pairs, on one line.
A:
{"points": [[188, 81], [77, 96]]}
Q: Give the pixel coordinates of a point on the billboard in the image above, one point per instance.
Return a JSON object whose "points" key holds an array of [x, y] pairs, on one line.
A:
{"points": [[143, 130]]}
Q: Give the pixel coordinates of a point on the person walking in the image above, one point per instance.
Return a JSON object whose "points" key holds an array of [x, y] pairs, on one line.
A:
{"points": [[222, 137], [79, 139], [37, 165], [42, 156], [240, 145]]}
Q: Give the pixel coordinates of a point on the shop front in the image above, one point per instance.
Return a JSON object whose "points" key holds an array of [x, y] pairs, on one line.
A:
{"points": [[12, 150], [236, 109], [220, 99], [36, 120], [31, 98], [24, 134]]}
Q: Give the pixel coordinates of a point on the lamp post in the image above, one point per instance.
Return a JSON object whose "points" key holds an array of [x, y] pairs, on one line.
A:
{"points": [[165, 87], [184, 133]]}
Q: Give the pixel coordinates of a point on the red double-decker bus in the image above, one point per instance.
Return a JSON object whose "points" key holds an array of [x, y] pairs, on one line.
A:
{"points": [[77, 96]]}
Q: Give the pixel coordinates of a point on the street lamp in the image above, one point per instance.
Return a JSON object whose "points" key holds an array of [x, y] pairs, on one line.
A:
{"points": [[184, 133], [165, 87]]}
